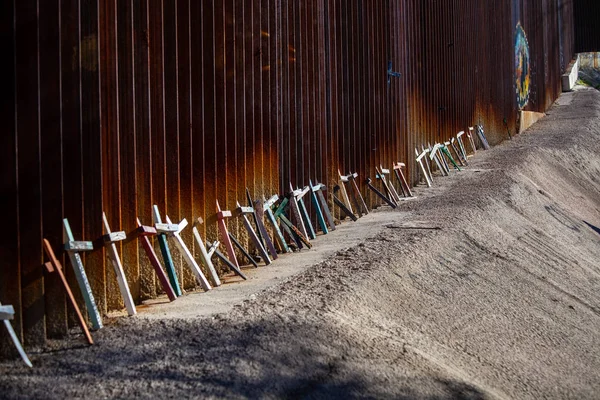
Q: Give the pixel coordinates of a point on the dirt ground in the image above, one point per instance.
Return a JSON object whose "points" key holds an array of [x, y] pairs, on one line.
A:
{"points": [[485, 286]]}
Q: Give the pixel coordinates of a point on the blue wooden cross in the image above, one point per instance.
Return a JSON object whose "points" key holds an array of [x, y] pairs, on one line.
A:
{"points": [[391, 73]]}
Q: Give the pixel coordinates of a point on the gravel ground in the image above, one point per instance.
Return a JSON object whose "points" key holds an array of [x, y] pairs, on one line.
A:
{"points": [[486, 286]]}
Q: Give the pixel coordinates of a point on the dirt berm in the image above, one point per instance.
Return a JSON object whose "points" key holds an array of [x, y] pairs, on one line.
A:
{"points": [[485, 286]]}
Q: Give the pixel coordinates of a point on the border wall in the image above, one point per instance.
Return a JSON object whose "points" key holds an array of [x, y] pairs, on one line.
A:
{"points": [[119, 105]]}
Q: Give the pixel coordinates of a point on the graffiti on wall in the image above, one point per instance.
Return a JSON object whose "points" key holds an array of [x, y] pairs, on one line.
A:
{"points": [[522, 67]]}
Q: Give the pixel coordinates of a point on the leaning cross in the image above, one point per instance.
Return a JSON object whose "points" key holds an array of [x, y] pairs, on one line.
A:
{"points": [[6, 313], [54, 266], [211, 249], [297, 197], [73, 249], [318, 210], [266, 208], [162, 231], [389, 188], [419, 160], [243, 212], [187, 256], [318, 189], [295, 213], [434, 156], [461, 145], [142, 232], [205, 257], [108, 241], [400, 176], [257, 215], [379, 194], [293, 231], [221, 216], [342, 190], [342, 205], [361, 205]]}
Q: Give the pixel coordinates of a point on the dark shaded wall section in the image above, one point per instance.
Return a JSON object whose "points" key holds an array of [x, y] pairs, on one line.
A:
{"points": [[119, 105], [587, 32]]}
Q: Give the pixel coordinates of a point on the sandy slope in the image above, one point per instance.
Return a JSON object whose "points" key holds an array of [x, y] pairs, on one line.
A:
{"points": [[501, 302]]}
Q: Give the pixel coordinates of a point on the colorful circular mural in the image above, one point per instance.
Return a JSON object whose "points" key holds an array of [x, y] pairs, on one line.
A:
{"points": [[522, 66]]}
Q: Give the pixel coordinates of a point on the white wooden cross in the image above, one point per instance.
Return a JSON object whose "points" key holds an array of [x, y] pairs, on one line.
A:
{"points": [[187, 256], [423, 169], [342, 189], [461, 145], [470, 134], [434, 156], [205, 256], [295, 213], [109, 240]]}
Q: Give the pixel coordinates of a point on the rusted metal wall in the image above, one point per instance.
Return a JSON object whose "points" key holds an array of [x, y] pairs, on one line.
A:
{"points": [[118, 105]]}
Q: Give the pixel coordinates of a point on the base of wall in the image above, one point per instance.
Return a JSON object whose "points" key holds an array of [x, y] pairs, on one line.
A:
{"points": [[528, 118], [569, 78]]}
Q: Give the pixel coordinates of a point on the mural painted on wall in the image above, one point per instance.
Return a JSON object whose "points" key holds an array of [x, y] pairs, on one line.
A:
{"points": [[522, 67]]}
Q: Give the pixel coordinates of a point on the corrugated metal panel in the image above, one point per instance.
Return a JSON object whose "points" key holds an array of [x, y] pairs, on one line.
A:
{"points": [[116, 106]]}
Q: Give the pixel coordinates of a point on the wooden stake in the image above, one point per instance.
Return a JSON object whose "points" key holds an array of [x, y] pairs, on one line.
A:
{"points": [[73, 248], [109, 244], [55, 266]]}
